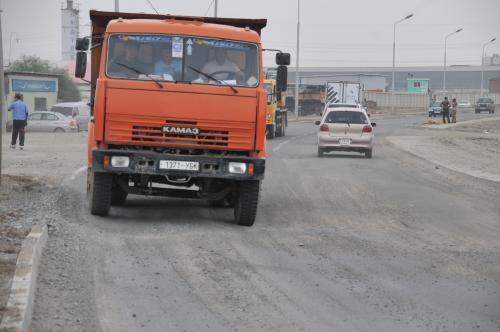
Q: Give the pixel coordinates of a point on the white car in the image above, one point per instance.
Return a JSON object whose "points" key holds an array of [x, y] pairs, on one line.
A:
{"points": [[345, 129], [465, 104]]}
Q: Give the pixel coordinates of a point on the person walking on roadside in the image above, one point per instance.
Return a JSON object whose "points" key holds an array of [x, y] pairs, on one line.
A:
{"points": [[454, 106], [19, 120], [445, 109]]}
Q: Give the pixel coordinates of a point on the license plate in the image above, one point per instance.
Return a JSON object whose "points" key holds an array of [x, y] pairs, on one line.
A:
{"points": [[344, 141], [180, 165]]}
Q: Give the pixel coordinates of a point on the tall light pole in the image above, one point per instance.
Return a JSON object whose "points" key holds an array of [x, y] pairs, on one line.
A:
{"points": [[117, 5], [444, 67], [394, 58], [297, 63], [482, 64], [215, 8]]}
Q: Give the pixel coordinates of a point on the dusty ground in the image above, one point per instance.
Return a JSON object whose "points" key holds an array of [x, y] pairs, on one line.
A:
{"points": [[471, 148]]}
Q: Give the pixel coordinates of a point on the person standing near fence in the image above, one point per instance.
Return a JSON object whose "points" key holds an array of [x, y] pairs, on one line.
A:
{"points": [[454, 106], [19, 120], [445, 109]]}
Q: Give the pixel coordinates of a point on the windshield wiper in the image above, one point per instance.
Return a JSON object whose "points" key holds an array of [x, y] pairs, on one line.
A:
{"points": [[210, 77], [140, 73]]}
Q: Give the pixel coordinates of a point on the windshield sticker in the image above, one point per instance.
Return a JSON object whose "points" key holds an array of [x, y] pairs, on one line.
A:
{"points": [[177, 46], [222, 44], [146, 39]]}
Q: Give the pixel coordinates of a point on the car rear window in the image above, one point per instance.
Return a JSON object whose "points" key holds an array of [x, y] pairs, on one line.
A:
{"points": [[484, 100], [68, 111], [346, 117]]}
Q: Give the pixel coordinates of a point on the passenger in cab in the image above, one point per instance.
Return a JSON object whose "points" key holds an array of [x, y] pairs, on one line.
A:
{"points": [[167, 67]]}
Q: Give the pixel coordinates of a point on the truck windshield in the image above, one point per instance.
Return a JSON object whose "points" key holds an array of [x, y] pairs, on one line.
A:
{"points": [[183, 59]]}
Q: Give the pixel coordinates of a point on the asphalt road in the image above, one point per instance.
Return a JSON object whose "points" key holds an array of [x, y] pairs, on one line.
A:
{"points": [[341, 243]]}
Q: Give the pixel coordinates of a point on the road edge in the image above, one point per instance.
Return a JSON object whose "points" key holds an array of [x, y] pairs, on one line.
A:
{"points": [[19, 309], [395, 145]]}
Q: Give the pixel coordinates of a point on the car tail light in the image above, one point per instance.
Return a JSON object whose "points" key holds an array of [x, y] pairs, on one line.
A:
{"points": [[367, 129], [324, 127]]}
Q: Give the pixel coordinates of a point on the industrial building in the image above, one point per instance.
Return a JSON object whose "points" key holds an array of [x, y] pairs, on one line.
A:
{"points": [[70, 24]]}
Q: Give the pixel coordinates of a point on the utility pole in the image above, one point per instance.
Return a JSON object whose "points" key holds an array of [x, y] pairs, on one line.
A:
{"points": [[215, 8], [297, 85], [2, 96], [117, 6]]}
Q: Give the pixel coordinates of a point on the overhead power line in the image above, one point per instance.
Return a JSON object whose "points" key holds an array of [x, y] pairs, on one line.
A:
{"points": [[153, 7], [209, 6]]}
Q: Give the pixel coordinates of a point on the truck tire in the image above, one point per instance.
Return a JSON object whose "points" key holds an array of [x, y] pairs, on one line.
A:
{"points": [[271, 133], [99, 190], [118, 196], [245, 208]]}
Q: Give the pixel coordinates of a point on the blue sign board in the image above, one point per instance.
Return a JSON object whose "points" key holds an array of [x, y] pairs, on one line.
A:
{"points": [[33, 85]]}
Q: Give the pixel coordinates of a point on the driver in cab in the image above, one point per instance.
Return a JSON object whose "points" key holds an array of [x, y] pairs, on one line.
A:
{"points": [[222, 68]]}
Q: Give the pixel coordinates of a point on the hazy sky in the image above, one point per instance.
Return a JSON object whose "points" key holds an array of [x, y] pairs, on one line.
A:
{"points": [[333, 33]]}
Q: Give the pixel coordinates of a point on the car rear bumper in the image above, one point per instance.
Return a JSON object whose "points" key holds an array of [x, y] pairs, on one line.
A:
{"points": [[148, 163]]}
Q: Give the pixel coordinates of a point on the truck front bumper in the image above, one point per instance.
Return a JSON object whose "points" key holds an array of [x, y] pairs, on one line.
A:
{"points": [[148, 163]]}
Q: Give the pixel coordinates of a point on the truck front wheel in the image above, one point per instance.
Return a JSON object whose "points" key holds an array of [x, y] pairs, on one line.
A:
{"points": [[245, 208], [99, 191]]}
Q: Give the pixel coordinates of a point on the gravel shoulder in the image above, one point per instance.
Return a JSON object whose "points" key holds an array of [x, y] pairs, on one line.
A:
{"points": [[470, 147]]}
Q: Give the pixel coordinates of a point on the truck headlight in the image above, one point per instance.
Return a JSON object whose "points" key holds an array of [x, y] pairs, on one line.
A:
{"points": [[120, 161], [237, 168]]}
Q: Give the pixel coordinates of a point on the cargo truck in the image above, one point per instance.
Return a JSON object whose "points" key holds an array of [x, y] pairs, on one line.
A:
{"points": [[342, 92], [178, 109], [277, 115]]}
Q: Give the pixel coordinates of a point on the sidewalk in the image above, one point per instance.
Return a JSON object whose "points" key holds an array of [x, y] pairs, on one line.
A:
{"points": [[470, 147]]}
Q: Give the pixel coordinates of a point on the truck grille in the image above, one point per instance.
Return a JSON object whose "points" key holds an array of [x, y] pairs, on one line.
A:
{"points": [[238, 136]]}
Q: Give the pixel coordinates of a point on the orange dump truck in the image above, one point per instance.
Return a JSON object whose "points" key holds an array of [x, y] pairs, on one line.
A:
{"points": [[178, 109]]}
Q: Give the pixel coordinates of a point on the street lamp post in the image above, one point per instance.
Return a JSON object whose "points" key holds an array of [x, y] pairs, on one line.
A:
{"points": [[297, 83], [444, 67], [216, 8], [482, 64], [394, 58], [117, 5]]}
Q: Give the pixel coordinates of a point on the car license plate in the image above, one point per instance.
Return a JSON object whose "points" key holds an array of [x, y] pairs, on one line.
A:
{"points": [[345, 141], [180, 165]]}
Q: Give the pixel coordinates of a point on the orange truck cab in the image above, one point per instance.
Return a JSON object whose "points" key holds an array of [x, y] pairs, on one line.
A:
{"points": [[178, 109]]}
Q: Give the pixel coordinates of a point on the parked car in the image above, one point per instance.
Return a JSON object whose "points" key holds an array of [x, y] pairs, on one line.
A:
{"points": [[79, 111], [48, 122], [485, 105], [345, 129], [435, 109]]}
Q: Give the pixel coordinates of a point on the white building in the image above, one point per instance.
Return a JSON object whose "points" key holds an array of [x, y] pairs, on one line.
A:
{"points": [[69, 31]]}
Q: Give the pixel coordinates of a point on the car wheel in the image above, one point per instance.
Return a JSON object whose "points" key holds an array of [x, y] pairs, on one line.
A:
{"points": [[368, 153], [320, 152], [59, 130]]}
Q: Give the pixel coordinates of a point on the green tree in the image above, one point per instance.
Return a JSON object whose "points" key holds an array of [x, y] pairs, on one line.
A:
{"points": [[68, 91]]}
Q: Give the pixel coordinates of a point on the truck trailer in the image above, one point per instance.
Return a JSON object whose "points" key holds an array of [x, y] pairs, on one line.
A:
{"points": [[178, 109]]}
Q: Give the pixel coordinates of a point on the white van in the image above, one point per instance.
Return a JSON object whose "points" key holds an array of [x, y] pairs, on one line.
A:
{"points": [[79, 111]]}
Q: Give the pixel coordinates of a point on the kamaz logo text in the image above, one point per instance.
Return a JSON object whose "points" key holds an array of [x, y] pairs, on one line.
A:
{"points": [[181, 130]]}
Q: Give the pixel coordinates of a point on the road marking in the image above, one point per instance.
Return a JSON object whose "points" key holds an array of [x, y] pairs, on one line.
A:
{"points": [[277, 147]]}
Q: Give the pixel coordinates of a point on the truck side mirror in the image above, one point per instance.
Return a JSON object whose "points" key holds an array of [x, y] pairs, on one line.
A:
{"points": [[282, 59], [82, 44], [281, 78], [81, 64]]}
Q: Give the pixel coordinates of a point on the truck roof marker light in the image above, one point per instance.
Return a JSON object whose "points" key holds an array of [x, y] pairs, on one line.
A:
{"points": [[105, 162], [247, 28]]}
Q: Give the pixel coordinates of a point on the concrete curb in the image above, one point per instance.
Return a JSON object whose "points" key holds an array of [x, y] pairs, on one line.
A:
{"points": [[19, 309], [441, 165]]}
